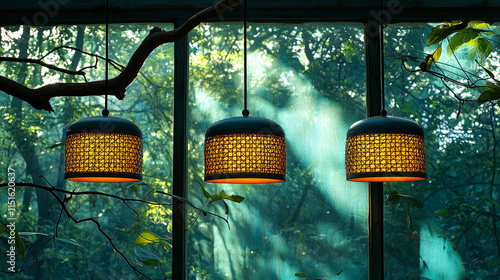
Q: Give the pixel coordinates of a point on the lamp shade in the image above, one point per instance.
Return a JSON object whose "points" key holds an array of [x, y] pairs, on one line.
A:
{"points": [[245, 150], [103, 149], [384, 149]]}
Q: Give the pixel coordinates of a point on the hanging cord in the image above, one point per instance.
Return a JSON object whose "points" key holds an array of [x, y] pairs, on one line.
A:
{"points": [[381, 36], [245, 110], [105, 112]]}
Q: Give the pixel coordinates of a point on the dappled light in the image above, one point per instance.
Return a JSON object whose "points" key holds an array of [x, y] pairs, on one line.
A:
{"points": [[439, 259], [310, 78], [300, 224]]}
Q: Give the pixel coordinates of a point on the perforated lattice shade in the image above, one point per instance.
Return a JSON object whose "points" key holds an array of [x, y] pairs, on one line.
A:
{"points": [[385, 156], [245, 157], [245, 154], [103, 155]]}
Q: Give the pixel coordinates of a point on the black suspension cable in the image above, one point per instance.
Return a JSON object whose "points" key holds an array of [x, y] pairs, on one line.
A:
{"points": [[382, 71], [245, 110], [105, 112]]}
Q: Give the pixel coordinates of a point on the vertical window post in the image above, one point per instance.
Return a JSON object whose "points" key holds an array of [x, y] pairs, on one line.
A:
{"points": [[375, 190], [181, 63]]}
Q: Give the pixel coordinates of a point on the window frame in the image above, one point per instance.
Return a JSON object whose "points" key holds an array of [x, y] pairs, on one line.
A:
{"points": [[365, 13]]}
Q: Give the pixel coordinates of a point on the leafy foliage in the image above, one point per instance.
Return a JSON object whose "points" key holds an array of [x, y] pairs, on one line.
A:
{"points": [[313, 222], [448, 212], [294, 72], [474, 40]]}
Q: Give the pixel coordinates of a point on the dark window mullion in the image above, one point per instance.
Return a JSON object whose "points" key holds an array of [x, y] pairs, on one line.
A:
{"points": [[375, 190], [181, 64]]}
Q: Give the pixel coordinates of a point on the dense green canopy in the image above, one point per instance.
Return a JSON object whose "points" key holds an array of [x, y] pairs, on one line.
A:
{"points": [[308, 77]]}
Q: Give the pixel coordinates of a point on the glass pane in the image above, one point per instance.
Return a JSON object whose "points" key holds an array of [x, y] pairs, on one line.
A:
{"points": [[80, 251], [455, 234], [309, 78]]}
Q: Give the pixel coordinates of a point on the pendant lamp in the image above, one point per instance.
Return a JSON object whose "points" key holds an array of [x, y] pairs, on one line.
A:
{"points": [[385, 148], [245, 150], [103, 149]]}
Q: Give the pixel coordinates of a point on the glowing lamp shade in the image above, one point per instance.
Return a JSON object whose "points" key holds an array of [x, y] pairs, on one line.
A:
{"points": [[385, 149], [245, 150], [103, 149]]}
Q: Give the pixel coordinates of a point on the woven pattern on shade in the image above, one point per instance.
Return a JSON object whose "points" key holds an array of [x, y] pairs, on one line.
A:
{"points": [[385, 152], [245, 153], [103, 152]]}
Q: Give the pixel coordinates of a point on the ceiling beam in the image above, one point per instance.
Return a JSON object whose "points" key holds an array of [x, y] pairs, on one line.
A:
{"points": [[54, 12]]}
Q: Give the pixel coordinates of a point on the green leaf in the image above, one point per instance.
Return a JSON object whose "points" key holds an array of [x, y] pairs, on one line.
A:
{"points": [[69, 241], [205, 193], [135, 225], [489, 92], [223, 194], [30, 233], [146, 238], [440, 32], [395, 196], [167, 246], [461, 38], [431, 58], [414, 202], [425, 265], [58, 144], [338, 273], [215, 197], [479, 24], [426, 64], [146, 257], [484, 48], [487, 71], [436, 54], [227, 207], [151, 262], [19, 245], [233, 198], [236, 198], [443, 211], [302, 275], [408, 221], [490, 201], [493, 86]]}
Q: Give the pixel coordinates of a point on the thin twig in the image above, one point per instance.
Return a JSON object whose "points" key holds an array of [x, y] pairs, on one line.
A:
{"points": [[113, 63], [40, 62], [70, 194], [458, 61], [39, 98]]}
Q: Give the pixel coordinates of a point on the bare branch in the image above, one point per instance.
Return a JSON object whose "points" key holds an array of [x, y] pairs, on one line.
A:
{"points": [[113, 63], [110, 238], [40, 98], [40, 62]]}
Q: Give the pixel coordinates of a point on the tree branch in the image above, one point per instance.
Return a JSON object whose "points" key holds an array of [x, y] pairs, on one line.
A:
{"points": [[40, 62], [110, 238], [40, 98]]}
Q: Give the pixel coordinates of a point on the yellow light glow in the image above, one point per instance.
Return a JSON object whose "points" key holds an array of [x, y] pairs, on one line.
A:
{"points": [[245, 181], [102, 179], [106, 153], [386, 179], [385, 153], [245, 153]]}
